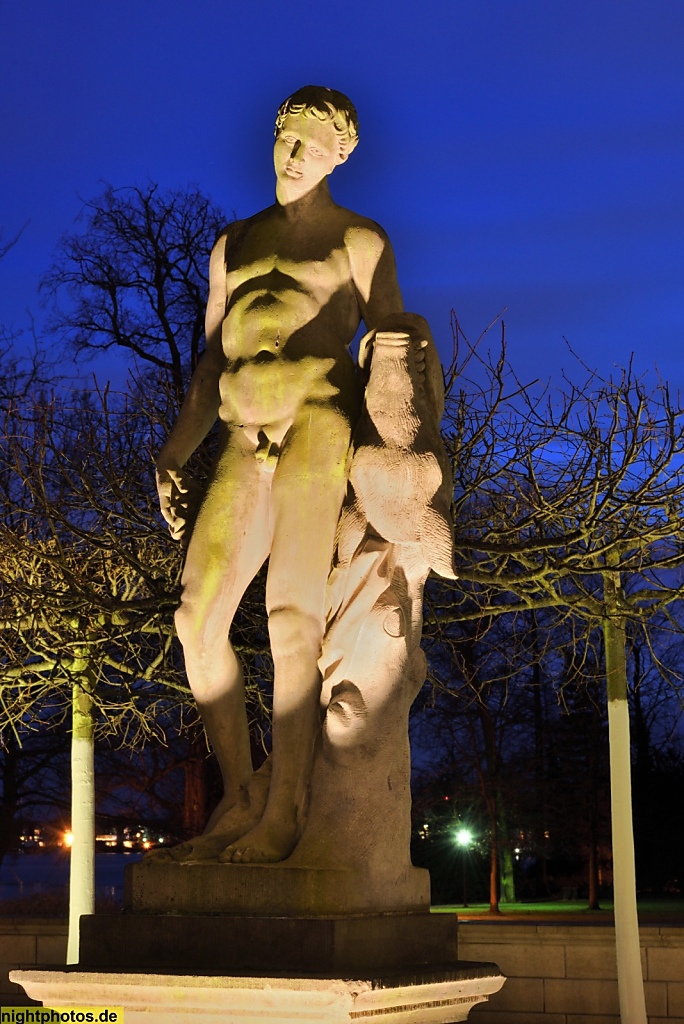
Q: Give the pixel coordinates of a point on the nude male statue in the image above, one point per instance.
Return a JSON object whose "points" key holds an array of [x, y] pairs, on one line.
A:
{"points": [[288, 290]]}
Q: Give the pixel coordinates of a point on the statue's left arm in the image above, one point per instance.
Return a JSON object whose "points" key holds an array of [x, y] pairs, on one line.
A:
{"points": [[377, 289], [374, 274]]}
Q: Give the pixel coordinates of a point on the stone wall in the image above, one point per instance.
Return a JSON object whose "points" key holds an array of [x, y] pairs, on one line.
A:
{"points": [[557, 973], [566, 973], [24, 942]]}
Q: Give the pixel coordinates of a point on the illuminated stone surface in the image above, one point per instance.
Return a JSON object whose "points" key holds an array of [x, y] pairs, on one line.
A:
{"points": [[437, 997], [346, 488], [278, 889], [350, 533], [288, 289]]}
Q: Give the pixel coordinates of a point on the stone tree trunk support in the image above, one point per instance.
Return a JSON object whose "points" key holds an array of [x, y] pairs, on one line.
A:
{"points": [[82, 868], [628, 950], [395, 526]]}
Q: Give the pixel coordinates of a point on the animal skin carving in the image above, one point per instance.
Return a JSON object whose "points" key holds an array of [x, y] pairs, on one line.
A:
{"points": [[400, 482]]}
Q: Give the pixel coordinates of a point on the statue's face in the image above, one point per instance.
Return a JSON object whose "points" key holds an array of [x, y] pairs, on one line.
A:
{"points": [[306, 151]]}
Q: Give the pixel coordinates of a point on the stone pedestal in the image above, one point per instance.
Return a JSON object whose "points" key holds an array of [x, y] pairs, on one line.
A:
{"points": [[421, 997], [277, 890], [355, 945], [306, 957]]}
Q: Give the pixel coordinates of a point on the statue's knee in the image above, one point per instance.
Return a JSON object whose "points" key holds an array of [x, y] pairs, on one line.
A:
{"points": [[183, 620], [292, 630], [192, 632], [212, 668]]}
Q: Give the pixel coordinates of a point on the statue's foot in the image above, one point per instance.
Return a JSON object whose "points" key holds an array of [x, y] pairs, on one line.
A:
{"points": [[228, 823], [264, 844], [231, 825], [201, 848], [238, 821], [198, 848], [223, 807], [158, 855]]}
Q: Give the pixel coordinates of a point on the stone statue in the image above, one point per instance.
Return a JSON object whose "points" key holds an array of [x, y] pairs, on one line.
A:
{"points": [[300, 900], [288, 290]]}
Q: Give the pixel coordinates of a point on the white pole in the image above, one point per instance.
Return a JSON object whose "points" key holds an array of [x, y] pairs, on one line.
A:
{"points": [[82, 869], [627, 945], [628, 950]]}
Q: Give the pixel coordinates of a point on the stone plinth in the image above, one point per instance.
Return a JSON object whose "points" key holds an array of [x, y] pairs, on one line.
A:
{"points": [[175, 954], [280, 890], [256, 945], [421, 997]]}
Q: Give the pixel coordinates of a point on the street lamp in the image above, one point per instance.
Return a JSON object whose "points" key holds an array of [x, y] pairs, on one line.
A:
{"points": [[464, 838]]}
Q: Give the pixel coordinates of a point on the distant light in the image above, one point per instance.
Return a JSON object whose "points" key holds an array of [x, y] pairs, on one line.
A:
{"points": [[516, 850], [464, 837], [68, 838], [161, 839], [146, 844]]}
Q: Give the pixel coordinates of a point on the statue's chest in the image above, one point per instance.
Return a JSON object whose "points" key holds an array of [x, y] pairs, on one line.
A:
{"points": [[285, 268]]}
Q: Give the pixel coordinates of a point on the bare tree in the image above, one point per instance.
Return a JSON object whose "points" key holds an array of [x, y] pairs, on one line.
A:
{"points": [[136, 278], [574, 501]]}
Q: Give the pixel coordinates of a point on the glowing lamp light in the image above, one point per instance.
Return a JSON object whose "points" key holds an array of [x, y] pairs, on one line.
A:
{"points": [[68, 838], [464, 837]]}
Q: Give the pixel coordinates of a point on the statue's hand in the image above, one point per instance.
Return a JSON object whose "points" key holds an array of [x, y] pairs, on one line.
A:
{"points": [[178, 492], [419, 353], [414, 326]]}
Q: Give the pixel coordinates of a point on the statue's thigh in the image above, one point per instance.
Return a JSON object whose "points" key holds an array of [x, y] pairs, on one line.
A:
{"points": [[232, 535], [308, 489]]}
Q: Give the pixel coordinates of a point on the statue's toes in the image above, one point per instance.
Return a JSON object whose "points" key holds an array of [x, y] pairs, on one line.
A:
{"points": [[247, 855], [182, 851], [231, 855], [202, 852], [158, 856]]}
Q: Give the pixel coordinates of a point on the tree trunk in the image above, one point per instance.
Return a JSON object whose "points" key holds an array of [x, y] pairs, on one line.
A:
{"points": [[9, 828], [507, 875], [494, 864], [630, 978], [491, 795], [540, 757], [82, 869], [506, 870], [195, 799], [593, 810], [593, 876]]}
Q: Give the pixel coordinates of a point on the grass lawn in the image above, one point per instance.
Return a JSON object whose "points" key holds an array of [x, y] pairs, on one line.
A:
{"points": [[670, 912]]}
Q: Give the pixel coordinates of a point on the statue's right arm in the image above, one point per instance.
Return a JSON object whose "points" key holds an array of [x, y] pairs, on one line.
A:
{"points": [[200, 407]]}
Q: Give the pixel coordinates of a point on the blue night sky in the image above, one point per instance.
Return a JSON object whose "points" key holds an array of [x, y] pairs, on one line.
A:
{"points": [[526, 154]]}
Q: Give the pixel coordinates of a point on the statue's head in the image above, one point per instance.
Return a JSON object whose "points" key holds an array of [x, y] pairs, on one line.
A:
{"points": [[325, 105]]}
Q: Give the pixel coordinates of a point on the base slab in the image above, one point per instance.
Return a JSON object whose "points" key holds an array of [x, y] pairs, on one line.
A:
{"points": [[421, 997], [162, 887], [223, 944]]}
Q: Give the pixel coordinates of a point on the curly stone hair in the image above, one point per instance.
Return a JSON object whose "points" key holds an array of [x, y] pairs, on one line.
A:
{"points": [[327, 105]]}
